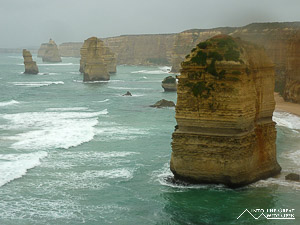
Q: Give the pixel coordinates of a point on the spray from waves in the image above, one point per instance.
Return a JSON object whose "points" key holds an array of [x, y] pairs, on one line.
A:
{"points": [[58, 64], [105, 100], [276, 182], [165, 177], [11, 102], [48, 130], [36, 84], [287, 120], [161, 70], [68, 109], [13, 166], [293, 156]]}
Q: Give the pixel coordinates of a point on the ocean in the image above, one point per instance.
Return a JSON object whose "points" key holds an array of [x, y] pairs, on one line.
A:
{"points": [[81, 153]]}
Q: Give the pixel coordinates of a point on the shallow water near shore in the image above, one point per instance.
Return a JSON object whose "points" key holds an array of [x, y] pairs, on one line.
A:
{"points": [[81, 153]]}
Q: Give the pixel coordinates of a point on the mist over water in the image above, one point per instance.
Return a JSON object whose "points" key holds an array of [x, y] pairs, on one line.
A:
{"points": [[81, 153]]}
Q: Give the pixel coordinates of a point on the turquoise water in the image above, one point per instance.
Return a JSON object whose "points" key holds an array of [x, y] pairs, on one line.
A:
{"points": [[81, 153]]}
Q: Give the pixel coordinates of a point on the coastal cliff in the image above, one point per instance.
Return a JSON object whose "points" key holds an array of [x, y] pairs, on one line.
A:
{"points": [[70, 49], [274, 37], [51, 53], [30, 65], [292, 87], [93, 63], [225, 133], [152, 49]]}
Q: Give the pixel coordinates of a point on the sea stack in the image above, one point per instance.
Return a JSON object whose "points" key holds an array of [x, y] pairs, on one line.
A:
{"points": [[225, 133], [169, 84], [30, 65], [51, 53], [103, 53]]}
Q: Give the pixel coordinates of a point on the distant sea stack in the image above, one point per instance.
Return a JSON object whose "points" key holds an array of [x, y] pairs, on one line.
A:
{"points": [[103, 53], [49, 52], [93, 62], [30, 65], [169, 84], [225, 133], [292, 87]]}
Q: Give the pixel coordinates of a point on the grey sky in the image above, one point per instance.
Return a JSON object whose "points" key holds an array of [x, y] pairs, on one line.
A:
{"points": [[26, 23]]}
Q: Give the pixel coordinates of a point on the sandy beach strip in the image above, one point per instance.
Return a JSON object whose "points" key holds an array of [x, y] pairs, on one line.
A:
{"points": [[289, 107]]}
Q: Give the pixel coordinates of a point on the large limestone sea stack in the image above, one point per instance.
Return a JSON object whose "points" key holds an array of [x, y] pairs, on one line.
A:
{"points": [[97, 61], [30, 65], [51, 53], [225, 133]]}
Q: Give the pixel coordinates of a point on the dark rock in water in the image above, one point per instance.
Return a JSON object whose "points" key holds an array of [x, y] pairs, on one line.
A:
{"points": [[169, 84], [163, 103], [293, 177], [30, 65], [127, 94]]}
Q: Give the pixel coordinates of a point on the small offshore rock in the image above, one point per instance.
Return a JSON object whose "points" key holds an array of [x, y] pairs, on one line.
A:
{"points": [[163, 103], [127, 94], [169, 84], [293, 177]]}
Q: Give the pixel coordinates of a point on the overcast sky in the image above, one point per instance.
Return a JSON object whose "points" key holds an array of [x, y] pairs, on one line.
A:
{"points": [[27, 23]]}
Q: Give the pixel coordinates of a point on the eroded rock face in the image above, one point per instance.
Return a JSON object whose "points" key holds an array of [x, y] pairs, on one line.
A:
{"points": [[292, 87], [92, 62], [103, 53], [225, 133], [51, 53], [169, 84], [30, 65], [42, 50]]}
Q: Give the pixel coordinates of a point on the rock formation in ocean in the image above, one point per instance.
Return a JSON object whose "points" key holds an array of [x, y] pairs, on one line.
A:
{"points": [[293, 177], [225, 133], [169, 84], [93, 62], [51, 53], [30, 65], [42, 50], [70, 49], [127, 94], [292, 87], [103, 53], [163, 103]]}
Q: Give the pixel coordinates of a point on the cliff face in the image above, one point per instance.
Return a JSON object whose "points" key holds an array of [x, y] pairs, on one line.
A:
{"points": [[30, 65], [142, 49], [103, 53], [51, 53], [225, 132], [92, 63], [70, 49], [274, 37], [292, 88]]}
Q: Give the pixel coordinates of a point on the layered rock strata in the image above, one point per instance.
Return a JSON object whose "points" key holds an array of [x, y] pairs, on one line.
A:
{"points": [[93, 63], [169, 84], [51, 53], [103, 53], [292, 87], [30, 65], [225, 133]]}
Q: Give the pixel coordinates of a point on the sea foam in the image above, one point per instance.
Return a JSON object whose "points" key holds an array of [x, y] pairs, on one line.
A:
{"points": [[7, 103], [287, 120], [48, 130], [13, 166]]}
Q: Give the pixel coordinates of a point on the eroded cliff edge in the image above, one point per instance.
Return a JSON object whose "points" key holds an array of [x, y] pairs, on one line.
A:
{"points": [[225, 132]]}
